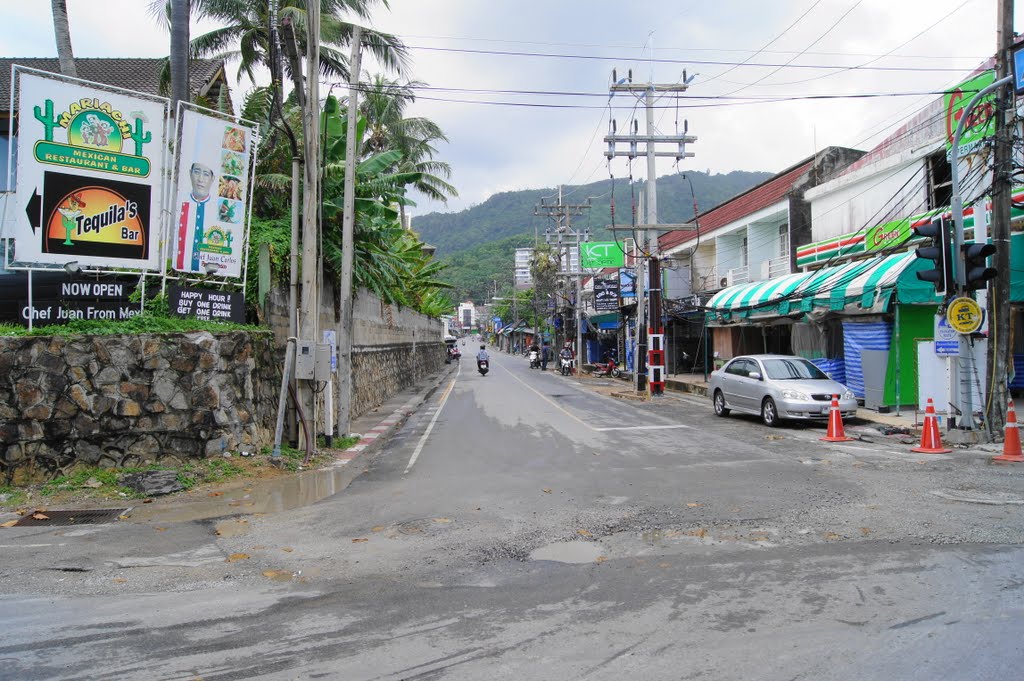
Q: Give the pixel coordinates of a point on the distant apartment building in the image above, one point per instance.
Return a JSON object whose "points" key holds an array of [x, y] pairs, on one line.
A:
{"points": [[569, 260], [467, 315], [524, 279]]}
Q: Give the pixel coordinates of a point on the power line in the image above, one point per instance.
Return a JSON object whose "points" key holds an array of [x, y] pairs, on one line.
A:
{"points": [[944, 16], [943, 57], [766, 45], [799, 54], [662, 60]]}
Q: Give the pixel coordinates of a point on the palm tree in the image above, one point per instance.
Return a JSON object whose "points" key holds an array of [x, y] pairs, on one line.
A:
{"points": [[179, 51], [62, 33], [384, 105], [244, 33]]}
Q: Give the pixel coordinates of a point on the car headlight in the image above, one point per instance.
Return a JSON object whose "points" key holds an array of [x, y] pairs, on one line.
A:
{"points": [[794, 395], [848, 395]]}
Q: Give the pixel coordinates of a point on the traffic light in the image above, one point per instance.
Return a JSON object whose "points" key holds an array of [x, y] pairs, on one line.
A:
{"points": [[976, 270], [938, 251]]}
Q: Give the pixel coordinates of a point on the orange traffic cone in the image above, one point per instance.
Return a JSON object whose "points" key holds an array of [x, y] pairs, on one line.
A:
{"points": [[931, 440], [835, 424], [1011, 443]]}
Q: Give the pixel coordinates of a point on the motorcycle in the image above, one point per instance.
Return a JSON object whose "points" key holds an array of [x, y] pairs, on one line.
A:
{"points": [[607, 369], [534, 359], [565, 365], [482, 366]]}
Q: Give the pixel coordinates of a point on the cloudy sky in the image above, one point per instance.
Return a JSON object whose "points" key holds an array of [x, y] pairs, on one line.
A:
{"points": [[521, 88]]}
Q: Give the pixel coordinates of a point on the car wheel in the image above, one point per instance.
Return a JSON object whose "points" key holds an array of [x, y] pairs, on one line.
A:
{"points": [[719, 402], [769, 413]]}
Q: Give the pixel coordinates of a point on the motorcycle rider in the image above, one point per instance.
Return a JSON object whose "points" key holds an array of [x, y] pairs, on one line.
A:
{"points": [[482, 356], [565, 353]]}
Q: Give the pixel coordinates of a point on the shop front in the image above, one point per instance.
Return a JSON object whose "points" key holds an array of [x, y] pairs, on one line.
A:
{"points": [[861, 322]]}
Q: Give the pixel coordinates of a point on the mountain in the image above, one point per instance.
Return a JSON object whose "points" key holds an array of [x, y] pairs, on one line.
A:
{"points": [[478, 243]]}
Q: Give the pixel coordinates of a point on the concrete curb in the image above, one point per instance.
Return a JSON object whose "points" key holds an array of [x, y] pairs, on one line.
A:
{"points": [[378, 435]]}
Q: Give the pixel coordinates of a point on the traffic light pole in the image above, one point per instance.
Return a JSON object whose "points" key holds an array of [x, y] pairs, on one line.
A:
{"points": [[966, 358]]}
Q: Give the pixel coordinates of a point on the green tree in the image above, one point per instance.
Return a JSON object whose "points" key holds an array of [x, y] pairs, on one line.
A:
{"points": [[244, 33], [384, 104]]}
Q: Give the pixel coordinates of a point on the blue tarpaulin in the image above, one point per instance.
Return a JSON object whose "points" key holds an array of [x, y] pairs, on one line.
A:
{"points": [[857, 337]]}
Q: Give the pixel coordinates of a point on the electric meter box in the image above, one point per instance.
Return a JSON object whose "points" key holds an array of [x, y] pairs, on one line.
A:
{"points": [[324, 366], [305, 360]]}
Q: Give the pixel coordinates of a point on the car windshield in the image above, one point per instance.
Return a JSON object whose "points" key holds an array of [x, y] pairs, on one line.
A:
{"points": [[792, 369]]}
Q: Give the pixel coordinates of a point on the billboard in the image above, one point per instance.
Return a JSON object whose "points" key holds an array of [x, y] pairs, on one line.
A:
{"points": [[980, 124], [89, 182], [601, 254], [627, 283], [606, 294], [213, 180]]}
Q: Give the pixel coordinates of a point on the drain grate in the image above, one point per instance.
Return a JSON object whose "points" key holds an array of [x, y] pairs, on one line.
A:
{"points": [[94, 516]]}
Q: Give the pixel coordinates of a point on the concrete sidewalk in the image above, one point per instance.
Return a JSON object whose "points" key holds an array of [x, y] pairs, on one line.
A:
{"points": [[377, 425]]}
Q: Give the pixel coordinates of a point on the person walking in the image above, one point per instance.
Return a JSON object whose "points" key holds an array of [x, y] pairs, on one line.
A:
{"points": [[545, 356]]}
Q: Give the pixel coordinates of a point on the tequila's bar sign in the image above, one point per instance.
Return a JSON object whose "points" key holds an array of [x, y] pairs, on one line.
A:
{"points": [[87, 189]]}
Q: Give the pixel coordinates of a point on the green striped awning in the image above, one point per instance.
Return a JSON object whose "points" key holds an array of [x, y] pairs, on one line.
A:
{"points": [[859, 287]]}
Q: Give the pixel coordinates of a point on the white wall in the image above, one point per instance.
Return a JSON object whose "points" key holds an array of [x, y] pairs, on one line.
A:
{"points": [[848, 204]]}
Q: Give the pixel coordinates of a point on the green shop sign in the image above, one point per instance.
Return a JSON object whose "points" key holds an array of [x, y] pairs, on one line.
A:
{"points": [[981, 122], [600, 254], [70, 156]]}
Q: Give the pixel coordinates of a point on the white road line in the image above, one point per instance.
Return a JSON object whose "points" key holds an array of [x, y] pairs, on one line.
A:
{"points": [[641, 427], [430, 427], [549, 400]]}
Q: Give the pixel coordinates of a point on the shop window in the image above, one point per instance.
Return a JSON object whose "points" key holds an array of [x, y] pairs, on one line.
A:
{"points": [[940, 181]]}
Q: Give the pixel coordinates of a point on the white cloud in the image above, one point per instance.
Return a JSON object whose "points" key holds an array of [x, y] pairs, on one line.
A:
{"points": [[503, 147]]}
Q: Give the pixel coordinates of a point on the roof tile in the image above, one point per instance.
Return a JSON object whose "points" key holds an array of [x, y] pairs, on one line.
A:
{"points": [[140, 75]]}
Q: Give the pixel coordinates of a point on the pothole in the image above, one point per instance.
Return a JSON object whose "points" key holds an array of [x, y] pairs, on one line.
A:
{"points": [[979, 497], [577, 552]]}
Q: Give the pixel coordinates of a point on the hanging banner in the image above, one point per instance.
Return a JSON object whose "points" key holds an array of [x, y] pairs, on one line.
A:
{"points": [[600, 254], [606, 294], [89, 185], [213, 173]]}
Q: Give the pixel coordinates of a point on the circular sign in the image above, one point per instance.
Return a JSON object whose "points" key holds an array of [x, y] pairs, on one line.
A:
{"points": [[964, 315]]}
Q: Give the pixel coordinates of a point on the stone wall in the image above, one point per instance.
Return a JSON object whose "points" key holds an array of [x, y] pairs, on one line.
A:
{"points": [[123, 400], [392, 348]]}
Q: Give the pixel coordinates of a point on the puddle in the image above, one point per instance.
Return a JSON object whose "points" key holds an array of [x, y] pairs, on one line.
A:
{"points": [[267, 496], [568, 552]]}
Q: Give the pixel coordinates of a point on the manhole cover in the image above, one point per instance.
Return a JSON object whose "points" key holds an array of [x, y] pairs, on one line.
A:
{"points": [[95, 516]]}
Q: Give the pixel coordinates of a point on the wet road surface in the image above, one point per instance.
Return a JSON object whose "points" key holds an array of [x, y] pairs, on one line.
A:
{"points": [[521, 526]]}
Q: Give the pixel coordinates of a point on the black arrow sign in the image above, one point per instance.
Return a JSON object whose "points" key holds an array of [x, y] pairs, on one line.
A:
{"points": [[33, 210]]}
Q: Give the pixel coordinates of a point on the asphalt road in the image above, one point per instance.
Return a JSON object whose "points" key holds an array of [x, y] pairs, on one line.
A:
{"points": [[521, 526]]}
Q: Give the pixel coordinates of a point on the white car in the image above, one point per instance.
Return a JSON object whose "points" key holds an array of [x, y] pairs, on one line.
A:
{"points": [[777, 387]]}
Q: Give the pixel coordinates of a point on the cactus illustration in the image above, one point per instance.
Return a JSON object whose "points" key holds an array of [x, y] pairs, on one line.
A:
{"points": [[47, 118], [140, 137]]}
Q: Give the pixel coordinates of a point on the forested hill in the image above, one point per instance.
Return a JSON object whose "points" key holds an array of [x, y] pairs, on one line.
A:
{"points": [[510, 214]]}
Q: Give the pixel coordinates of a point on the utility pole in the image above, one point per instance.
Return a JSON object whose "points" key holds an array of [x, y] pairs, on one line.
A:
{"points": [[347, 240], [308, 322], [655, 345], [565, 238], [999, 300]]}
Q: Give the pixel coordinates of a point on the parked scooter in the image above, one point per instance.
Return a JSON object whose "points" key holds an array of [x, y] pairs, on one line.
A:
{"points": [[483, 366], [609, 368]]}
